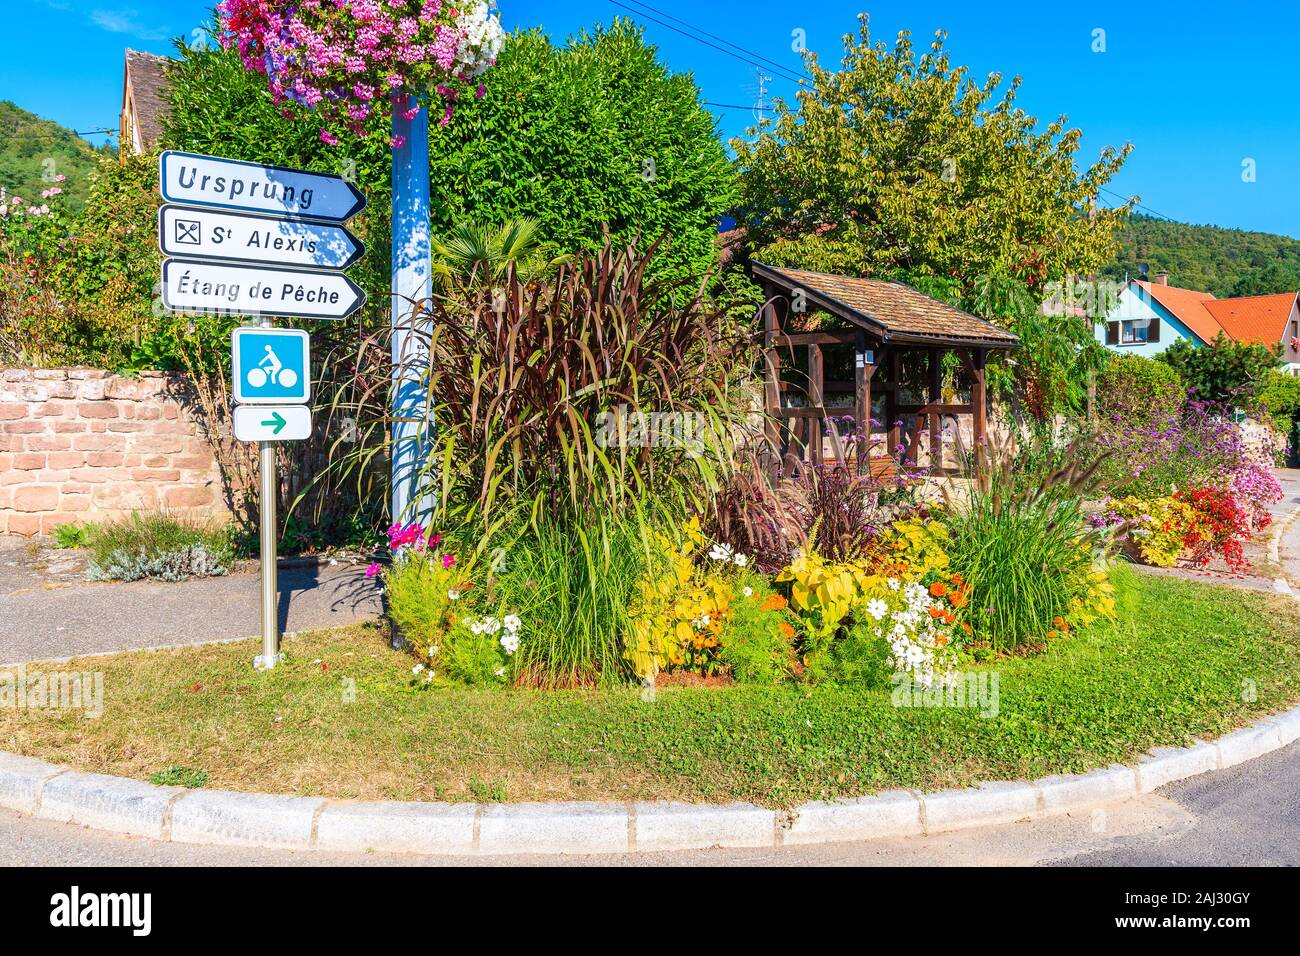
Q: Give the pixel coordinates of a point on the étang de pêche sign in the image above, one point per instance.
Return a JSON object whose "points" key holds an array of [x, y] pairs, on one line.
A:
{"points": [[189, 286]]}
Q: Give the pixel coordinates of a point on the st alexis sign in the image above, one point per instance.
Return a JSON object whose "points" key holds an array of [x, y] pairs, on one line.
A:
{"points": [[246, 237]]}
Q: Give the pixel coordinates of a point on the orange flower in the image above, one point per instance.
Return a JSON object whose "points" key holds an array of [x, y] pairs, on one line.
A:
{"points": [[936, 613], [1060, 623], [959, 599], [1051, 635], [938, 589], [787, 630], [948, 616], [957, 579], [941, 640], [965, 627], [774, 602]]}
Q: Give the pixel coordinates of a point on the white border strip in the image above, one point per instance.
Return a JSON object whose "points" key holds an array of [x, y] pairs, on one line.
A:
{"points": [[123, 806]]}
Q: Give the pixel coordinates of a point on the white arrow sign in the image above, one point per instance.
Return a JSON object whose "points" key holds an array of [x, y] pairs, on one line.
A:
{"points": [[272, 422], [245, 237], [210, 181], [189, 286]]}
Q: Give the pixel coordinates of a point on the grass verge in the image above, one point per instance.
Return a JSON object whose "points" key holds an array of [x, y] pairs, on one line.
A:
{"points": [[1183, 661]]}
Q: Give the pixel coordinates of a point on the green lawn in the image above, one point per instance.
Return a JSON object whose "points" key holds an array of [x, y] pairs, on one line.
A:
{"points": [[1182, 662]]}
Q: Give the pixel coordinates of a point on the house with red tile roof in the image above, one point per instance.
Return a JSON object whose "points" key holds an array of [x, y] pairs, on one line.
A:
{"points": [[1149, 316]]}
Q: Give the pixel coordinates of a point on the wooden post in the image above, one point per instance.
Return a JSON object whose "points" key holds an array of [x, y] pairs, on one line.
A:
{"points": [[816, 384], [936, 396], [772, 371], [979, 406], [894, 436], [863, 371]]}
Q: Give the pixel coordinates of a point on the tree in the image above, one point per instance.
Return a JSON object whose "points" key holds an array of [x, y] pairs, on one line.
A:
{"points": [[1226, 262], [594, 134], [902, 164], [1226, 371]]}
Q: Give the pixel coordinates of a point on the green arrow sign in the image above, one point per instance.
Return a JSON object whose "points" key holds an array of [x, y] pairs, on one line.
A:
{"points": [[276, 423]]}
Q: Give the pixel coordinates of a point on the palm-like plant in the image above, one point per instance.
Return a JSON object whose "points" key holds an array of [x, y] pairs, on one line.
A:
{"points": [[476, 254]]}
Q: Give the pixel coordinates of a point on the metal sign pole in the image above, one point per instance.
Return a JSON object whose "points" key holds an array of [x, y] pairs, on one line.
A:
{"points": [[266, 518]]}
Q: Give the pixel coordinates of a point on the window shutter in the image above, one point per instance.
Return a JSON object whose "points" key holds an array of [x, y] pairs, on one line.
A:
{"points": [[1153, 331], [1112, 333]]}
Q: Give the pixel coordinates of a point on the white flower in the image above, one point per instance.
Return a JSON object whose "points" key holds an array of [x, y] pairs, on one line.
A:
{"points": [[747, 591], [892, 584], [453, 595], [501, 672], [720, 552], [510, 642], [512, 622], [417, 668], [740, 560], [433, 650], [877, 609]]}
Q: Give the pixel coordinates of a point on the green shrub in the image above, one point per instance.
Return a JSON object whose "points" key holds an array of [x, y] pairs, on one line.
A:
{"points": [[1279, 397], [1137, 391], [474, 657], [1021, 540], [757, 645], [72, 536], [1227, 371], [572, 584], [860, 657], [158, 545]]}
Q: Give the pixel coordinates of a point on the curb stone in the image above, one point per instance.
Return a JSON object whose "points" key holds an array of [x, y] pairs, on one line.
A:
{"points": [[119, 805]]}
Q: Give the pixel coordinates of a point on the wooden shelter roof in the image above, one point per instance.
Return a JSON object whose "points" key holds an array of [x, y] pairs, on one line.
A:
{"points": [[891, 311]]}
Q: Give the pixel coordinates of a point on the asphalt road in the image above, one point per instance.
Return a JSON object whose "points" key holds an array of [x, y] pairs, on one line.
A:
{"points": [[41, 620]]}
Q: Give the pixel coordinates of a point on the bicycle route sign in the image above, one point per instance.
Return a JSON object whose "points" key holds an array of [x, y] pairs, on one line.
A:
{"points": [[270, 366]]}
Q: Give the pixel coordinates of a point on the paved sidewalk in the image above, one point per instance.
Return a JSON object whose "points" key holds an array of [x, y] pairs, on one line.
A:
{"points": [[42, 619], [1289, 546]]}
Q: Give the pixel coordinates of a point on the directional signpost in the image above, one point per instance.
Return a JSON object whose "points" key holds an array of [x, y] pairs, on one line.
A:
{"points": [[245, 237], [260, 241]]}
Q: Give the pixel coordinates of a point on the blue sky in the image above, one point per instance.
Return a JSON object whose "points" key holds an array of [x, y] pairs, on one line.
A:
{"points": [[1198, 88]]}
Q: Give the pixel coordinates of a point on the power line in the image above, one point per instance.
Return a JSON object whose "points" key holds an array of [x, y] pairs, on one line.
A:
{"points": [[89, 132], [789, 75], [714, 36], [1158, 215]]}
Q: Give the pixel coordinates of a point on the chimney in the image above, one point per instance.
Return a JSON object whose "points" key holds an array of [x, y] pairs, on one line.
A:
{"points": [[1161, 278]]}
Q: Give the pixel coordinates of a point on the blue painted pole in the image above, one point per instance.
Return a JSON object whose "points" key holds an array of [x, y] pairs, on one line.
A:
{"points": [[412, 431]]}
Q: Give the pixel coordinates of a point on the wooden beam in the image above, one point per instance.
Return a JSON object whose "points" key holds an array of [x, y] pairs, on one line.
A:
{"points": [[936, 409], [817, 338]]}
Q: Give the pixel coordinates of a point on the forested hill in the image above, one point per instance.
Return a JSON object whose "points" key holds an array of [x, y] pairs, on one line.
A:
{"points": [[1226, 262], [34, 150]]}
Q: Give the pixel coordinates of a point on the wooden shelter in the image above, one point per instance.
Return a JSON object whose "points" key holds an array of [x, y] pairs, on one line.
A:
{"points": [[880, 323]]}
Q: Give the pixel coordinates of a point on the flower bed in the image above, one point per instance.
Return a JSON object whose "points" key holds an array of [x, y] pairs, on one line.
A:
{"points": [[342, 717]]}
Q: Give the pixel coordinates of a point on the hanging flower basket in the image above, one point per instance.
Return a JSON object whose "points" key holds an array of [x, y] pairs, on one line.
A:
{"points": [[340, 61]]}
